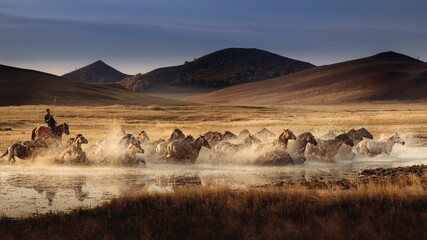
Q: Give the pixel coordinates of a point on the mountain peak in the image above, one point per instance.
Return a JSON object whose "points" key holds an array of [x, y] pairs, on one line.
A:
{"points": [[99, 62], [219, 69], [96, 72], [394, 56]]}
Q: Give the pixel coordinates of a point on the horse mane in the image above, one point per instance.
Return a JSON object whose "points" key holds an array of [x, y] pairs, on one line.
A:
{"points": [[354, 134], [342, 136], [304, 135], [365, 133], [281, 137], [352, 131]]}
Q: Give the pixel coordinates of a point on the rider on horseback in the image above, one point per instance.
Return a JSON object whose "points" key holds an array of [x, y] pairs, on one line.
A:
{"points": [[48, 118]]}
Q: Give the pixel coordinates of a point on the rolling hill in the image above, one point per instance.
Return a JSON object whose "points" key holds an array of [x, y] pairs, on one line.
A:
{"points": [[387, 76], [97, 72], [24, 87], [219, 69]]}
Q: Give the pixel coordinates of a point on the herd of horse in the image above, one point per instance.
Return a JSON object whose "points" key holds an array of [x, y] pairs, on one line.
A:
{"points": [[264, 147]]}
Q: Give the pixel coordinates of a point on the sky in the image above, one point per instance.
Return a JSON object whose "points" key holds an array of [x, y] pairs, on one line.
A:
{"points": [[136, 36]]}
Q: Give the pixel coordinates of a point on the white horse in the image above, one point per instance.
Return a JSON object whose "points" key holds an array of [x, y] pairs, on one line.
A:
{"points": [[375, 147]]}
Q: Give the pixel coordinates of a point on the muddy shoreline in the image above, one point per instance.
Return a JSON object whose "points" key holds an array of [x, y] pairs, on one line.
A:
{"points": [[402, 176]]}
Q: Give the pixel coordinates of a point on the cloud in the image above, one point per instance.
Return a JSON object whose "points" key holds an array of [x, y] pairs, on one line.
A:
{"points": [[145, 33]]}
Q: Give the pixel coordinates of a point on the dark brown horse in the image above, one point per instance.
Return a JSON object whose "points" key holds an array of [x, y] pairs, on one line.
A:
{"points": [[177, 134], [24, 150], [326, 150], [43, 132], [280, 142], [213, 137], [184, 151], [297, 149]]}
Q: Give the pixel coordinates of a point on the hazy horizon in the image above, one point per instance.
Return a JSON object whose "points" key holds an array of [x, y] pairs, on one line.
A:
{"points": [[58, 36]]}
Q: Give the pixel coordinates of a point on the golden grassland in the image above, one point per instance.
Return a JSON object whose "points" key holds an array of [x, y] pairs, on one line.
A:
{"points": [[379, 210], [97, 122]]}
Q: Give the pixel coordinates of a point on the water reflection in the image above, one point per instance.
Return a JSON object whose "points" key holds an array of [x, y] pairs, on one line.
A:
{"points": [[50, 185], [26, 189]]}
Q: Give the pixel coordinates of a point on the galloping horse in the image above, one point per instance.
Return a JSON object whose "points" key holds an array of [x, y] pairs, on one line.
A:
{"points": [[43, 132], [280, 142], [185, 151], [297, 149], [372, 148], [326, 150]]}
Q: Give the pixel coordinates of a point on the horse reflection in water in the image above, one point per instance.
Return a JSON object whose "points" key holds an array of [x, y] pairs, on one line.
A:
{"points": [[179, 181], [51, 186]]}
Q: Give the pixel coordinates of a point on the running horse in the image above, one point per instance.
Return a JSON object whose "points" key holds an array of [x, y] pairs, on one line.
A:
{"points": [[43, 132]]}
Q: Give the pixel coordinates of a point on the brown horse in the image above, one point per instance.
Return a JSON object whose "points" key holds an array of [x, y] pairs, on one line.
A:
{"points": [[326, 150], [186, 152], [229, 136], [143, 137], [280, 142], [265, 135], [226, 149], [43, 132], [24, 150], [213, 137], [297, 149], [244, 134], [345, 151], [177, 134], [75, 151]]}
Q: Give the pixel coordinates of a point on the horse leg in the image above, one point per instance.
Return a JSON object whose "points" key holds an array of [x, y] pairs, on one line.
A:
{"points": [[5, 153], [11, 157]]}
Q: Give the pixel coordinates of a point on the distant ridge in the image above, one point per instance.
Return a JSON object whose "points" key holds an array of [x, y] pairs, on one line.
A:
{"points": [[387, 76], [219, 69], [29, 87], [97, 72]]}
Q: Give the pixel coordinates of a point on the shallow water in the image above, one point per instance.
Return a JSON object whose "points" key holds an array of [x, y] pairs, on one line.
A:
{"points": [[26, 189]]}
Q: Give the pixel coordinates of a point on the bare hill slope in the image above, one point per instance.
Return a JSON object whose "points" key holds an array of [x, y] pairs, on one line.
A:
{"points": [[24, 87], [219, 69], [387, 76], [97, 72]]}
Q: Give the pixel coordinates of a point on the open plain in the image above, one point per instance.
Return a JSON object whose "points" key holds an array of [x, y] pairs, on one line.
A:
{"points": [[32, 188]]}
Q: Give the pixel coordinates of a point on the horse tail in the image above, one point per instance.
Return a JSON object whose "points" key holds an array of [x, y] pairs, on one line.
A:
{"points": [[33, 134], [4, 154]]}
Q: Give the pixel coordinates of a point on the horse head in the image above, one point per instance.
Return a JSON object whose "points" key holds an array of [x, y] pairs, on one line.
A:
{"points": [[64, 128], [355, 135], [365, 133], [345, 139], [143, 136], [177, 135], [81, 139], [310, 138], [397, 139], [204, 142], [288, 134]]}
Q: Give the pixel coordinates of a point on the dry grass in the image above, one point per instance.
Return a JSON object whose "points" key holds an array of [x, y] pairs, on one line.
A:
{"points": [[379, 210], [97, 122], [370, 211]]}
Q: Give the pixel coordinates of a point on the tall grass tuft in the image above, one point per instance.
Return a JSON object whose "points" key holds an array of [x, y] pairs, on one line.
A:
{"points": [[369, 211]]}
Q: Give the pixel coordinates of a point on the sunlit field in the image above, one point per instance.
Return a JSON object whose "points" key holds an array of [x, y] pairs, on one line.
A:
{"points": [[97, 122], [215, 200]]}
